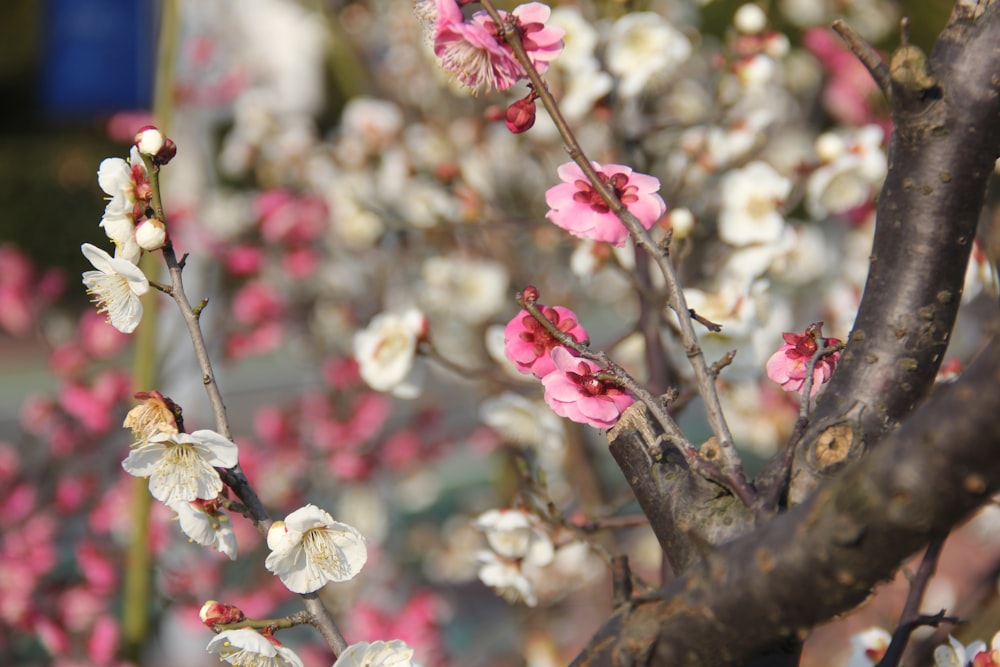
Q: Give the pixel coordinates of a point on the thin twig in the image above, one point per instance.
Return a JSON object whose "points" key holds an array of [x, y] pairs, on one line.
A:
{"points": [[234, 477], [911, 618], [730, 459], [867, 54]]}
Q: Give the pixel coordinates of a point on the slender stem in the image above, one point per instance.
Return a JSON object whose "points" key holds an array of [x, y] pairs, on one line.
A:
{"points": [[234, 477], [706, 381], [910, 619], [867, 54]]}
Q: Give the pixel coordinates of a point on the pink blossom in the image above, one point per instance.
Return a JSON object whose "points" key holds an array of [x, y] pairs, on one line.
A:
{"points": [[300, 263], [96, 338], [103, 642], [17, 503], [261, 340], [574, 391], [244, 260], [476, 52], [72, 492], [256, 302], [341, 372], [789, 364], [97, 567], [850, 93], [290, 218], [418, 623], [580, 210], [528, 345]]}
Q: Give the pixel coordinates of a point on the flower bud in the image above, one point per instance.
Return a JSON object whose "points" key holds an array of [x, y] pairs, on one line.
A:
{"points": [[149, 140], [151, 234], [520, 115], [216, 613], [530, 294]]}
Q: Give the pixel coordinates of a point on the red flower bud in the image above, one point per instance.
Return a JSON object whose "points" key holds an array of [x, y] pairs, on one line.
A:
{"points": [[520, 115], [530, 294], [217, 613]]}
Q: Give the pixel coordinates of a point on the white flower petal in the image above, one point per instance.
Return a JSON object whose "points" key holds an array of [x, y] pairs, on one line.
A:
{"points": [[310, 550], [394, 653], [247, 647]]}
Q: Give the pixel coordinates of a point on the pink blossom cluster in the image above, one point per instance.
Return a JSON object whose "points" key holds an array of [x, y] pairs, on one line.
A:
{"points": [[476, 51], [282, 245], [343, 426], [24, 291], [573, 386], [789, 366]]}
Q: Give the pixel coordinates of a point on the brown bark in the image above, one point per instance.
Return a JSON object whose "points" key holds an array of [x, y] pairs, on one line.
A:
{"points": [[747, 591]]}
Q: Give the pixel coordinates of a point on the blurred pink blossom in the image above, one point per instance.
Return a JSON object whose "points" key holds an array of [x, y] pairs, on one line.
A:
{"points": [[103, 642], [243, 260], [260, 340], [573, 391], [576, 207], [527, 344], [290, 218], [300, 263], [788, 366], [256, 302], [850, 91], [98, 339]]}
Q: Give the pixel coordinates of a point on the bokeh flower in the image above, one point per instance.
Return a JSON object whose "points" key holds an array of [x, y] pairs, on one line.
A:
{"points": [[386, 352], [393, 653]]}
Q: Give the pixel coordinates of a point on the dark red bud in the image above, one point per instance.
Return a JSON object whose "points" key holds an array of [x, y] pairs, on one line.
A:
{"points": [[166, 153], [520, 115], [530, 294]]}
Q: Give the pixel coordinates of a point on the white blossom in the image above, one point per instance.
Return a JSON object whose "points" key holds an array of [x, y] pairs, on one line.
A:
{"points": [[205, 526], [386, 353], [868, 647], [393, 653], [310, 549], [245, 647], [642, 46], [472, 290], [517, 546], [853, 170], [182, 466], [115, 287], [525, 422], [751, 199]]}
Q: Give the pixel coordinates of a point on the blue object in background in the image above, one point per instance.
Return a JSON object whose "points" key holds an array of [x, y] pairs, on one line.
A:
{"points": [[98, 57]]}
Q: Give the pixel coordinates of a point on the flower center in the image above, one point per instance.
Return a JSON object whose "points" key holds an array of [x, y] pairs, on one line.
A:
{"points": [[585, 193], [588, 381], [324, 553], [542, 341]]}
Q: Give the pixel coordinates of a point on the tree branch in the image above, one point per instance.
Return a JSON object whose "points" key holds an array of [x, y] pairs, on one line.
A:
{"points": [[946, 138], [823, 557]]}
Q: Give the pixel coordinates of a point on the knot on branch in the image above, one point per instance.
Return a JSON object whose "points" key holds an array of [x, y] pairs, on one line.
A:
{"points": [[834, 448]]}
